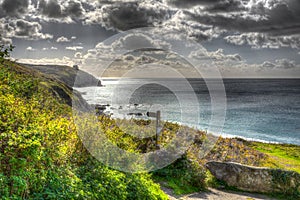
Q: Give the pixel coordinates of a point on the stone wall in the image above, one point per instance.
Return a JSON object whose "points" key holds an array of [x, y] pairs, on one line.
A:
{"points": [[255, 179]]}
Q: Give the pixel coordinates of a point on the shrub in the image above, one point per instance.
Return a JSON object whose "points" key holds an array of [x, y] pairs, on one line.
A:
{"points": [[184, 176], [5, 52]]}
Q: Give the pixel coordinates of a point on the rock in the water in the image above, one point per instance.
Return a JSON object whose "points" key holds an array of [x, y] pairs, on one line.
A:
{"points": [[256, 179]]}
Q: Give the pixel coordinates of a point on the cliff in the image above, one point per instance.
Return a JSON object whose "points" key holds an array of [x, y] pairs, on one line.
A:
{"points": [[58, 84], [67, 74]]}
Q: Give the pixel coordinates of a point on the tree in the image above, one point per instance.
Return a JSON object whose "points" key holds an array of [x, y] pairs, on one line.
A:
{"points": [[5, 52]]}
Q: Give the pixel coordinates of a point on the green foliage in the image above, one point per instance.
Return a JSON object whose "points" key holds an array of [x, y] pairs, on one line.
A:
{"points": [[183, 176], [5, 52], [41, 156], [101, 182], [286, 181], [35, 140]]}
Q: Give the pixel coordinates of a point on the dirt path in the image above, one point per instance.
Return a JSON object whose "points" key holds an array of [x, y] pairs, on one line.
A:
{"points": [[214, 194]]}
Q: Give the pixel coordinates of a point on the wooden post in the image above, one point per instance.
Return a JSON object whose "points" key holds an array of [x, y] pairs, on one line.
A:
{"points": [[157, 127], [157, 130]]}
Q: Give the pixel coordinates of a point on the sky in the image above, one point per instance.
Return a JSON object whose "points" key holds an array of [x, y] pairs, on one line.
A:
{"points": [[241, 38]]}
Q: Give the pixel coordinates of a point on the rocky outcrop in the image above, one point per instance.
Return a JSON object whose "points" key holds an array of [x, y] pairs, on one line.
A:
{"points": [[59, 87], [256, 179]]}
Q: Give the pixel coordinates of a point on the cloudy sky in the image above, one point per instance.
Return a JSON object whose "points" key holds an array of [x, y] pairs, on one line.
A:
{"points": [[243, 38]]}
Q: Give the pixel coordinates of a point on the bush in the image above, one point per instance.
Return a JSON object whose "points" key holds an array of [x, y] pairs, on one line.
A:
{"points": [[5, 52], [184, 176]]}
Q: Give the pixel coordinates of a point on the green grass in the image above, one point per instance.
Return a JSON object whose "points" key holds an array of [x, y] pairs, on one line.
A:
{"points": [[177, 185], [284, 156], [179, 188]]}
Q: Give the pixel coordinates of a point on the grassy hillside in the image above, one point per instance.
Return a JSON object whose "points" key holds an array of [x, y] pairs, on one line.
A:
{"points": [[40, 154]]}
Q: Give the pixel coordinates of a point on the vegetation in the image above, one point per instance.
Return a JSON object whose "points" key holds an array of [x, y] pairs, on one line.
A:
{"points": [[280, 157], [5, 52], [41, 155], [284, 156], [184, 176], [277, 156], [282, 178]]}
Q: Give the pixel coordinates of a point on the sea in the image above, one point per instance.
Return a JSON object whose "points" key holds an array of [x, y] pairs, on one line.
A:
{"points": [[266, 110]]}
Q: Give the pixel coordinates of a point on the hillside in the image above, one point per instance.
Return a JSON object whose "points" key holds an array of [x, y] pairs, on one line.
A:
{"points": [[67, 74], [41, 156]]}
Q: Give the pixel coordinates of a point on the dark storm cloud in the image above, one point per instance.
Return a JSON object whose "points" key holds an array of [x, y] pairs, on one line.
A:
{"points": [[282, 19], [210, 5], [268, 24], [128, 16], [74, 9], [191, 3], [225, 6], [125, 16], [259, 23], [54, 9], [25, 28], [35, 3], [51, 8], [270, 19], [14, 7]]}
